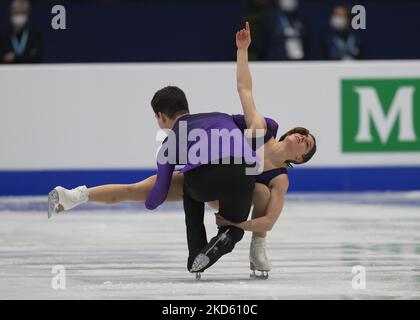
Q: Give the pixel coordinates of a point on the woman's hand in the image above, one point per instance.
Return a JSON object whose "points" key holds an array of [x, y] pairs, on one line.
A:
{"points": [[243, 37], [220, 221]]}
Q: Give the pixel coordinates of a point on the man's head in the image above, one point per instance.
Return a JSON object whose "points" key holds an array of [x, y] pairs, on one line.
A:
{"points": [[19, 13], [169, 103]]}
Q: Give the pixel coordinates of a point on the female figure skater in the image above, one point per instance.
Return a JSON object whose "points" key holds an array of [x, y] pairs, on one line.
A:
{"points": [[295, 147]]}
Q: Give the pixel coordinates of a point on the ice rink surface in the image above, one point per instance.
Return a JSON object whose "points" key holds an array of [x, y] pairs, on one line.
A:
{"points": [[125, 252]]}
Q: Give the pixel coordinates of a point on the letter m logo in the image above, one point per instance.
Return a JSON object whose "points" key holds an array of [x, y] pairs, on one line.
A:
{"points": [[380, 115]]}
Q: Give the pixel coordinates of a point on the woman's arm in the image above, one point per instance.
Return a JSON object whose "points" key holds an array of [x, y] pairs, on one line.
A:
{"points": [[275, 206], [253, 119]]}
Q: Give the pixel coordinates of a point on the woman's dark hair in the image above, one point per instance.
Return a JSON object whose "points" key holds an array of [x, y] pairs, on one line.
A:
{"points": [[311, 152], [171, 101]]}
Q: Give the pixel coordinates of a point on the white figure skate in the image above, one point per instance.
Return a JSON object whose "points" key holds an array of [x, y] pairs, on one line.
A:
{"points": [[60, 199], [258, 259]]}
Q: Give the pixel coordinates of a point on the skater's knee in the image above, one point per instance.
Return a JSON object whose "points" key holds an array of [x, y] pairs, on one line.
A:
{"points": [[214, 204], [140, 190]]}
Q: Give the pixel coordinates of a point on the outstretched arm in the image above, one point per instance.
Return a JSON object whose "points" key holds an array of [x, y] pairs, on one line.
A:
{"points": [[253, 119]]}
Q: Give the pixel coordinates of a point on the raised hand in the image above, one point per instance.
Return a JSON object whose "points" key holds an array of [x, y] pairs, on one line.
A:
{"points": [[243, 37]]}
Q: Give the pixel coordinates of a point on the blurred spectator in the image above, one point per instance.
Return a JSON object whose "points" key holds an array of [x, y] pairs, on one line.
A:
{"points": [[284, 35], [21, 44], [343, 43]]}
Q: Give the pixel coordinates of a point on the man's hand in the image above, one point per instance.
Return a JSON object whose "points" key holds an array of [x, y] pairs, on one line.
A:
{"points": [[243, 37]]}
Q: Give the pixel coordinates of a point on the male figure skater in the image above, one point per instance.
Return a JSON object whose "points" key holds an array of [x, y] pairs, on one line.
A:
{"points": [[219, 175]]}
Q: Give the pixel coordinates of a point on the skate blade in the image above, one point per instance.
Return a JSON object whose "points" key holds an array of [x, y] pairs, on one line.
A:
{"points": [[259, 276], [53, 203], [200, 262], [263, 275]]}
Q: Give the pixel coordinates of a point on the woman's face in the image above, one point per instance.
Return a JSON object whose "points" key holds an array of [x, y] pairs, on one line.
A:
{"points": [[299, 145]]}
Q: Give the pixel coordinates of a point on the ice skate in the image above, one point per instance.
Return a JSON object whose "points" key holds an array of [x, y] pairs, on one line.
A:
{"points": [[258, 261], [61, 199], [216, 248]]}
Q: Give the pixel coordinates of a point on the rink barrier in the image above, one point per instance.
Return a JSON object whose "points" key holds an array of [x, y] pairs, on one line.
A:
{"points": [[313, 179]]}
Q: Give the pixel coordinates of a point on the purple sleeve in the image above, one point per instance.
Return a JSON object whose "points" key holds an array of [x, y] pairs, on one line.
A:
{"points": [[160, 190], [239, 119], [272, 125]]}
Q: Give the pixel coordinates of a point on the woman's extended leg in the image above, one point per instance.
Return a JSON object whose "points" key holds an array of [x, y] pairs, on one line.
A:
{"points": [[114, 193], [61, 199]]}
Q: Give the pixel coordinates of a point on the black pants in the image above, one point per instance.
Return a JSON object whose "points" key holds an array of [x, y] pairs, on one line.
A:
{"points": [[224, 182]]}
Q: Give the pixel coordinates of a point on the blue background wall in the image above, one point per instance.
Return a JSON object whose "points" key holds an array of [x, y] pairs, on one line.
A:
{"points": [[202, 31], [301, 179]]}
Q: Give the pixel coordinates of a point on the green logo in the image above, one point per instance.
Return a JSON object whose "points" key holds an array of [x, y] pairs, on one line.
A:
{"points": [[380, 115]]}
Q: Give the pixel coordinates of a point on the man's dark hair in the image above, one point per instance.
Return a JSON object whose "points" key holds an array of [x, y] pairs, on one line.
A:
{"points": [[171, 101]]}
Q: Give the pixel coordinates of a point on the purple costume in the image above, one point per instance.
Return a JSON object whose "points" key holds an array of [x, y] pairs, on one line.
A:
{"points": [[272, 127], [206, 122]]}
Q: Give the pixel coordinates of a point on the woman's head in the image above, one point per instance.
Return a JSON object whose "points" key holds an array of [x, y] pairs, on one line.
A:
{"points": [[300, 145]]}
